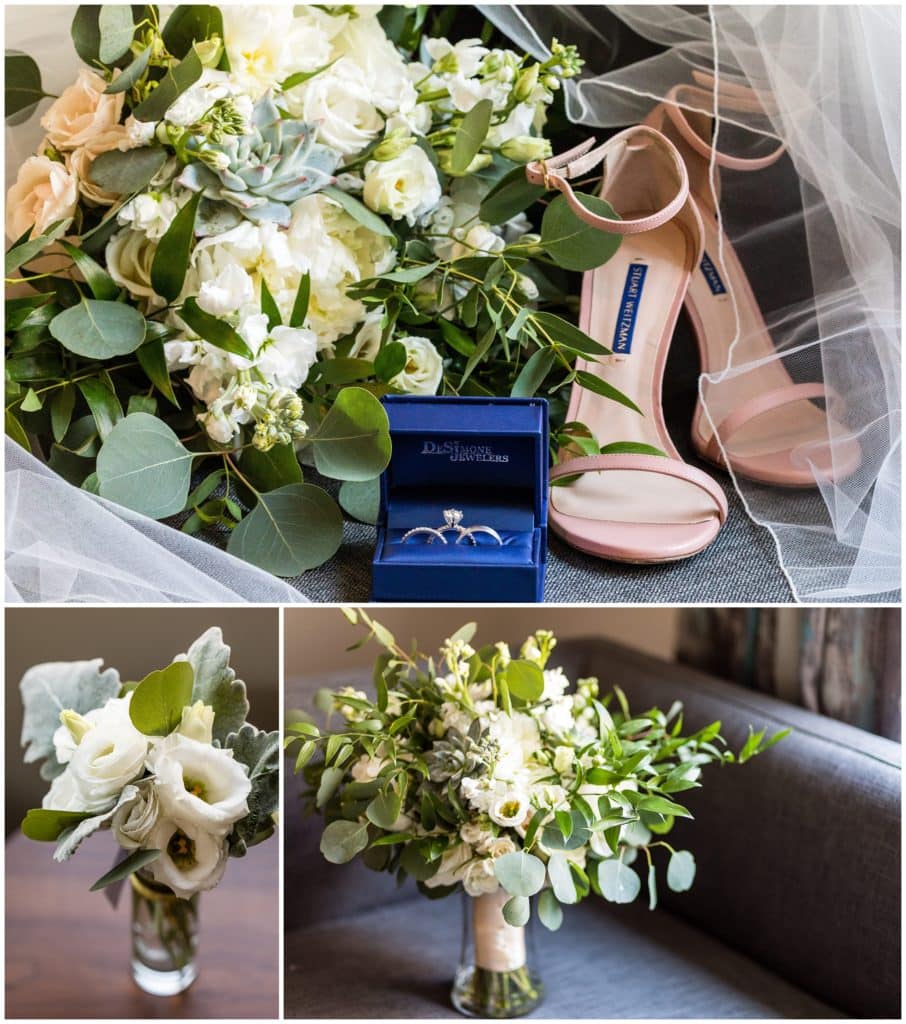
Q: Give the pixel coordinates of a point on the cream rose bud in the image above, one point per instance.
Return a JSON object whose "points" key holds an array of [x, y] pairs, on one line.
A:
{"points": [[134, 820], [523, 149], [424, 369], [199, 785], [111, 754], [82, 113], [197, 722], [191, 859], [44, 192], [478, 878], [563, 759], [406, 186]]}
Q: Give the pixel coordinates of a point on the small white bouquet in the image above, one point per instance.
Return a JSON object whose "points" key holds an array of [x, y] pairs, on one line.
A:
{"points": [[169, 766], [243, 226], [485, 772]]}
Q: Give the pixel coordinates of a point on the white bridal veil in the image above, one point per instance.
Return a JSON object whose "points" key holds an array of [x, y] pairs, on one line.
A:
{"points": [[818, 233], [822, 256]]}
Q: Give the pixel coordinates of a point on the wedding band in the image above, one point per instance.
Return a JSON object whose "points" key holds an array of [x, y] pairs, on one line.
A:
{"points": [[424, 529], [472, 530]]}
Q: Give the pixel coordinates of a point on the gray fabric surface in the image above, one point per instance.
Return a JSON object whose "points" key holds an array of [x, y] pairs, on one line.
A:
{"points": [[798, 852], [604, 962]]}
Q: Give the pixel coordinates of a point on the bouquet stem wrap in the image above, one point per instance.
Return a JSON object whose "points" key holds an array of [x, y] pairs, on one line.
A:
{"points": [[498, 945]]}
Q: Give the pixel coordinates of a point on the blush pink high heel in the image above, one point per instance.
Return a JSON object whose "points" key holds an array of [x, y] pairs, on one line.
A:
{"points": [[633, 507], [768, 426]]}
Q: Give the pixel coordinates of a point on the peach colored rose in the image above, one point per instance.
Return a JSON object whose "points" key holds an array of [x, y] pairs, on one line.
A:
{"points": [[44, 192], [79, 163], [82, 112]]}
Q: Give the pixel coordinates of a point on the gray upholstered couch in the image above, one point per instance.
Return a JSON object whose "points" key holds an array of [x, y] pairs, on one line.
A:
{"points": [[795, 911]]}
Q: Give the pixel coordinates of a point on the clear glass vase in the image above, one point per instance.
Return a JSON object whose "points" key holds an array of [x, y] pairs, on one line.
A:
{"points": [[164, 937], [494, 979]]}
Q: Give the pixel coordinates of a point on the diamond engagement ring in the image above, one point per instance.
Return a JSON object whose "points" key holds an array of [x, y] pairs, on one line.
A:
{"points": [[453, 521]]}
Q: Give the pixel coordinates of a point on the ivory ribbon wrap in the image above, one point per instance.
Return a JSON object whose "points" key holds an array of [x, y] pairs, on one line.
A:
{"points": [[498, 945]]}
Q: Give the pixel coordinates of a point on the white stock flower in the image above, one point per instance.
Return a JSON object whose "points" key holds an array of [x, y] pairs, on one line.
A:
{"points": [[110, 753], [424, 369], [464, 57], [199, 785], [557, 718], [197, 722], [340, 102], [406, 186], [82, 112], [134, 820], [478, 878], [555, 683], [191, 859], [287, 356], [150, 212], [43, 193], [138, 133]]}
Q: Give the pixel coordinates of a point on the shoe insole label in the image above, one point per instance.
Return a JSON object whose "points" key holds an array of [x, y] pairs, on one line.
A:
{"points": [[629, 308], [711, 276]]}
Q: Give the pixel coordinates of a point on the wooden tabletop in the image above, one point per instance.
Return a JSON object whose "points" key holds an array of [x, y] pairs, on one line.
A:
{"points": [[68, 950]]}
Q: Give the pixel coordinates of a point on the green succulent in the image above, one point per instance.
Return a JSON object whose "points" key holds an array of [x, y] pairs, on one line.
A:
{"points": [[260, 173]]}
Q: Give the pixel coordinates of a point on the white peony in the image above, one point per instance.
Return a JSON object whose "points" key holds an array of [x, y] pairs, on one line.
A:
{"points": [[199, 785], [191, 860], [226, 292], [406, 186], [340, 102], [44, 192], [424, 369], [109, 754], [82, 112]]}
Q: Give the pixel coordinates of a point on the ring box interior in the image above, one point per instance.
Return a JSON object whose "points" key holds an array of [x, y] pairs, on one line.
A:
{"points": [[487, 457]]}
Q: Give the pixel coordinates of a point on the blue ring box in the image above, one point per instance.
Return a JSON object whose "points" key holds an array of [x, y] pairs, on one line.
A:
{"points": [[487, 457]]}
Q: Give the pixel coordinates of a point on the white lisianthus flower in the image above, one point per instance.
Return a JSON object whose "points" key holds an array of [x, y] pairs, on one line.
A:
{"points": [[424, 369], [227, 292], [340, 102], [191, 860], [478, 878], [199, 785], [452, 866], [150, 212], [134, 820], [44, 192], [197, 722], [63, 795], [406, 186], [110, 754], [510, 809], [83, 111]]}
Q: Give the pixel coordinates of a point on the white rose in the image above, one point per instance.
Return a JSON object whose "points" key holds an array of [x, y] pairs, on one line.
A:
{"points": [[424, 369], [341, 104], [191, 860], [509, 809], [473, 834], [287, 356], [44, 192], [129, 255], [197, 722], [109, 755], [478, 879], [227, 292], [82, 112], [451, 866], [406, 186], [136, 818], [199, 785], [367, 342], [499, 846]]}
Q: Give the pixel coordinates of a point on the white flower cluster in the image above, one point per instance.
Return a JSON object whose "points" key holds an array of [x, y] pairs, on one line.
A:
{"points": [[178, 794]]}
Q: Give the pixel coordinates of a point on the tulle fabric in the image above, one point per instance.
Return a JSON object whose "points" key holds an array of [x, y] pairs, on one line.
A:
{"points": [[818, 233], [65, 545]]}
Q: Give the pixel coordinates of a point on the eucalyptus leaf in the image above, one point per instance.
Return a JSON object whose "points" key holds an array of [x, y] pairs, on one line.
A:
{"points": [[267, 471], [550, 913], [144, 466], [213, 330], [98, 280], [574, 244], [470, 136], [681, 871], [532, 375], [171, 86], [23, 85], [361, 499], [352, 442], [292, 529], [190, 24], [158, 700], [123, 173], [619, 883], [390, 361], [116, 29], [509, 197], [61, 408], [14, 429], [342, 840], [99, 329], [385, 808], [25, 251], [525, 680], [521, 874], [561, 878], [131, 73], [516, 911]]}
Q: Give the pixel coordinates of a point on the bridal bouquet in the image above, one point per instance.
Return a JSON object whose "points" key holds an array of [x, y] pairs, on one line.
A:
{"points": [[169, 766], [245, 225], [484, 771]]}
